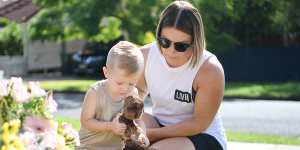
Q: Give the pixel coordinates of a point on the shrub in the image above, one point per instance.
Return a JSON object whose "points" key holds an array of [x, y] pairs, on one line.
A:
{"points": [[26, 118]]}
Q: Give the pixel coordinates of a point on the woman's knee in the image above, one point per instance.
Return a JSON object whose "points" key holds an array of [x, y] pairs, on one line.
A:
{"points": [[176, 143]]}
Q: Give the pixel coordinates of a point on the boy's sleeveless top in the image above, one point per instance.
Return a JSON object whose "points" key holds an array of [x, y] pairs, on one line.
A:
{"points": [[171, 91], [106, 110]]}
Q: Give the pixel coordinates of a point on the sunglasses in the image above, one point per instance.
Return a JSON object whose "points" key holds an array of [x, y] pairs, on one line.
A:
{"points": [[179, 46]]}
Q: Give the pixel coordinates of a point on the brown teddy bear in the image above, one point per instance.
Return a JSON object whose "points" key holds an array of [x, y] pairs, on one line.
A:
{"points": [[133, 109]]}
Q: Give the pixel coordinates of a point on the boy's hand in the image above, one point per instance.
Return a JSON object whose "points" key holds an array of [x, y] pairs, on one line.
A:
{"points": [[117, 127], [143, 139]]}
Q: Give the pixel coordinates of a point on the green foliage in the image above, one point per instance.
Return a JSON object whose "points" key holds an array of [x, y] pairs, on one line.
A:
{"points": [[109, 30], [88, 14], [36, 107], [50, 18], [217, 15], [149, 37], [3, 22], [10, 110], [230, 23], [227, 23], [255, 19], [10, 40], [139, 17], [73, 19], [53, 24]]}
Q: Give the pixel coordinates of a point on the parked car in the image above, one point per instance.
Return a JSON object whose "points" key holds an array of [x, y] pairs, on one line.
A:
{"points": [[90, 60]]}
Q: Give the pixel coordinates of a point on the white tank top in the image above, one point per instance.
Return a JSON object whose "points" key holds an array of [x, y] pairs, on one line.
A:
{"points": [[172, 94]]}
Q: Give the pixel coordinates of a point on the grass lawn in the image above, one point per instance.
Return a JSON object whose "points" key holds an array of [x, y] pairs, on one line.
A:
{"points": [[231, 135], [286, 90], [67, 85], [261, 138]]}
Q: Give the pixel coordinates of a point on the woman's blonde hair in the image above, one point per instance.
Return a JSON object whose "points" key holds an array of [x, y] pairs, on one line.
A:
{"points": [[125, 56], [185, 17]]}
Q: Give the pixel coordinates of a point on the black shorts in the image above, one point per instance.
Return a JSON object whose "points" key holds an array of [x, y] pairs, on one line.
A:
{"points": [[203, 141]]}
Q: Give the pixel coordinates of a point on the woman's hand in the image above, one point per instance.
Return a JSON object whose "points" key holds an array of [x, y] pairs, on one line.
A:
{"points": [[117, 127]]}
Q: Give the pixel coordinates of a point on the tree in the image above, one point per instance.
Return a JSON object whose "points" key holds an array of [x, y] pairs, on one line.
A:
{"points": [[140, 17], [228, 23], [72, 18], [10, 39], [218, 17]]}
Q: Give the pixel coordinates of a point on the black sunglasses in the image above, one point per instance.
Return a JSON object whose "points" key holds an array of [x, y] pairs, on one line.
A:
{"points": [[179, 46]]}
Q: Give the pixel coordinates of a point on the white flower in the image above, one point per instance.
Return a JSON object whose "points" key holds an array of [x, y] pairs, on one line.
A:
{"points": [[16, 81], [36, 90], [19, 91], [50, 103], [3, 88], [29, 139]]}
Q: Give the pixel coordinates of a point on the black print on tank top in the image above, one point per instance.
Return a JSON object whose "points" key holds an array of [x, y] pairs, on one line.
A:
{"points": [[183, 96]]}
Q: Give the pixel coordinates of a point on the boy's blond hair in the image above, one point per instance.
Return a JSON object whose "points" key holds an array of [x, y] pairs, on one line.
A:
{"points": [[125, 56]]}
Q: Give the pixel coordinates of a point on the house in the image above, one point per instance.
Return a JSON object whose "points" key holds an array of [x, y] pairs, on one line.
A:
{"points": [[37, 55], [17, 10]]}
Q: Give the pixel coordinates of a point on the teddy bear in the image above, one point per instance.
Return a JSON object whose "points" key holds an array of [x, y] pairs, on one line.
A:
{"points": [[133, 109]]}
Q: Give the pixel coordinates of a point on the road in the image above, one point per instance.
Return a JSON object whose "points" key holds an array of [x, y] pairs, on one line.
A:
{"points": [[257, 116], [260, 116]]}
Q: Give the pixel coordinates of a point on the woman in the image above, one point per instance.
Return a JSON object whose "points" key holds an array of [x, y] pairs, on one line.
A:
{"points": [[186, 84]]}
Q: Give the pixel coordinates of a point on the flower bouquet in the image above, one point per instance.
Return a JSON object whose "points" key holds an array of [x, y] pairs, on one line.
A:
{"points": [[27, 120]]}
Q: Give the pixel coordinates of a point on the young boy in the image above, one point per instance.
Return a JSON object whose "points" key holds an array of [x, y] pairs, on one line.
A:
{"points": [[100, 129]]}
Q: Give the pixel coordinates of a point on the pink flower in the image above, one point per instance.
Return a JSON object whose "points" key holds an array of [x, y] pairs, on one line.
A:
{"points": [[50, 103], [19, 91], [3, 88], [36, 90], [39, 125]]}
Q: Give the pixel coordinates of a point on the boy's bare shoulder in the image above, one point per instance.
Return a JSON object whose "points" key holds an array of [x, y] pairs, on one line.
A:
{"points": [[145, 50], [92, 90]]}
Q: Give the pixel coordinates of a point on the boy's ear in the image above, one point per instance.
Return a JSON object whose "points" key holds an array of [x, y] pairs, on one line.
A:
{"points": [[105, 71]]}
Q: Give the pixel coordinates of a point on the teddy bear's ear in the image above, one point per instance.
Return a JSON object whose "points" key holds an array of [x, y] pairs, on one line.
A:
{"points": [[130, 97], [128, 100]]}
